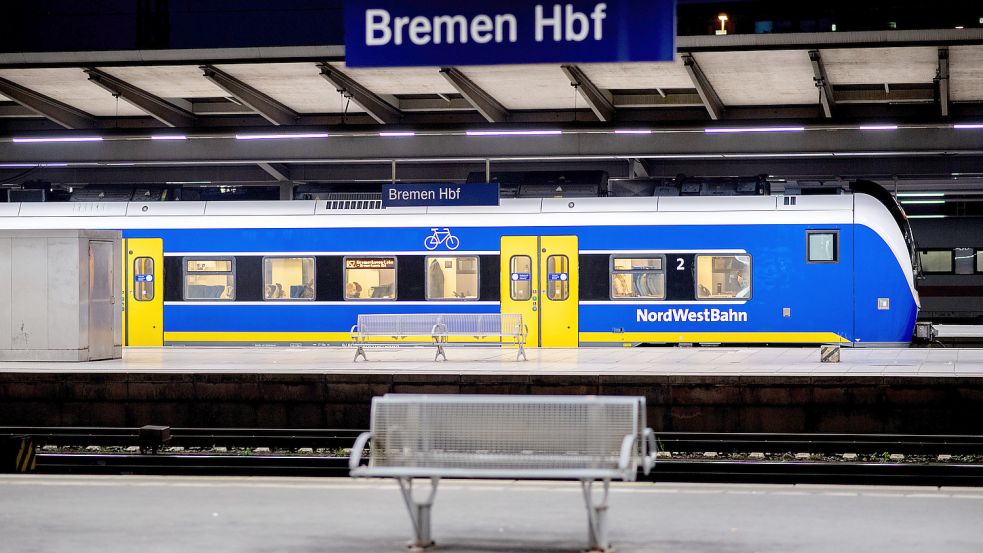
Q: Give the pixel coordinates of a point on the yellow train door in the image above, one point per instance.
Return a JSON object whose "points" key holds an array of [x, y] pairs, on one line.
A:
{"points": [[540, 282], [143, 310]]}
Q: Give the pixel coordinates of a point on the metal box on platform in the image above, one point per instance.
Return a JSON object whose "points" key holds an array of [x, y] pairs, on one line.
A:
{"points": [[60, 295]]}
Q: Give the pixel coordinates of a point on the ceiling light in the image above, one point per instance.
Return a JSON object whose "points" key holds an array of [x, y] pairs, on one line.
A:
{"points": [[921, 194], [878, 127], [968, 126], [513, 133], [21, 165], [60, 139], [281, 136], [723, 130], [926, 216], [168, 137], [397, 133], [923, 201], [632, 131]]}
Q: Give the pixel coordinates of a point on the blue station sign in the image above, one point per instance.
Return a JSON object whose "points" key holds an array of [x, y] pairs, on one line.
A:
{"points": [[387, 33], [414, 195]]}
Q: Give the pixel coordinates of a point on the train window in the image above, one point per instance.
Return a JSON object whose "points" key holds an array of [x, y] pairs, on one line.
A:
{"points": [[723, 277], [520, 267], [288, 278], [964, 259], [370, 278], [452, 278], [638, 277], [557, 277], [209, 279], [979, 261], [822, 246], [143, 279], [936, 261]]}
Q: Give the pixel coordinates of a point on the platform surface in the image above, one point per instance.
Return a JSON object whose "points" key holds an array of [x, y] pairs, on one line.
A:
{"points": [[243, 515], [721, 361]]}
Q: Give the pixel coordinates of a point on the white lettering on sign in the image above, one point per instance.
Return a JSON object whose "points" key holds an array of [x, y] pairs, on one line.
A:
{"points": [[408, 195], [564, 23], [709, 315]]}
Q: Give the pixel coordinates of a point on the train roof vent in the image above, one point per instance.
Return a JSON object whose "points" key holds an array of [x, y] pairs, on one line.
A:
{"points": [[337, 201]]}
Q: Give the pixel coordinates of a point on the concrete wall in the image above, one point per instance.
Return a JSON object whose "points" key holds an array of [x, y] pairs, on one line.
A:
{"points": [[862, 404]]}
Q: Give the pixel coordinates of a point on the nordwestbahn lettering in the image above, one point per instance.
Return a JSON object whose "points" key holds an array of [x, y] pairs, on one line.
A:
{"points": [[381, 33], [683, 315]]}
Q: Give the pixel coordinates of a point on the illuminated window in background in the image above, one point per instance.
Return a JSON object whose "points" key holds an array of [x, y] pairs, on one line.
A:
{"points": [[936, 261], [452, 278], [964, 258], [557, 277], [723, 277], [143, 279], [370, 278], [288, 278], [520, 268], [638, 277], [209, 279], [979, 261]]}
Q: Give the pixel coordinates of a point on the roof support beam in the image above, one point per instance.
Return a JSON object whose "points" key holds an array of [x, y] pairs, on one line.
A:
{"points": [[600, 103], [279, 171], [376, 107], [825, 87], [152, 105], [487, 106], [63, 114], [703, 87], [944, 81], [271, 110]]}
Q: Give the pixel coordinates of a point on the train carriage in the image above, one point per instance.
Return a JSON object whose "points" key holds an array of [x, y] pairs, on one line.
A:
{"points": [[582, 272]]}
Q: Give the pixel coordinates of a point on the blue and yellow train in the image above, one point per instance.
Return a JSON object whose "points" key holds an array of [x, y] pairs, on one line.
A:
{"points": [[582, 272]]}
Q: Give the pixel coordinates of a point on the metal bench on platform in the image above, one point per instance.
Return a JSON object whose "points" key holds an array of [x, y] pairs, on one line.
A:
{"points": [[586, 438], [439, 330]]}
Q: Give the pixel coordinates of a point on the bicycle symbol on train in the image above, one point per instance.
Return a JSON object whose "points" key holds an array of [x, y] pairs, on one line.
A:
{"points": [[441, 236]]}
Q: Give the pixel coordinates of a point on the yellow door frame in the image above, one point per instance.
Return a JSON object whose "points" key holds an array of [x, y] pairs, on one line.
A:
{"points": [[143, 280], [540, 281]]}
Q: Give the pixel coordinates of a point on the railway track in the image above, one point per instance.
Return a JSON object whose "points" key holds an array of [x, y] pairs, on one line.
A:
{"points": [[695, 457]]}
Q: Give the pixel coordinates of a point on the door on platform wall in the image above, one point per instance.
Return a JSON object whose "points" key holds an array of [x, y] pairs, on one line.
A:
{"points": [[540, 282], [101, 300], [143, 310]]}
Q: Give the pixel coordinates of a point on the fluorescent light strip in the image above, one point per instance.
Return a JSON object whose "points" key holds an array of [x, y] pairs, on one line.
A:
{"points": [[23, 165], [878, 127], [725, 130], [397, 133], [513, 133], [968, 126], [906, 202], [286, 136], [60, 139], [921, 194], [168, 137], [632, 131], [927, 216]]}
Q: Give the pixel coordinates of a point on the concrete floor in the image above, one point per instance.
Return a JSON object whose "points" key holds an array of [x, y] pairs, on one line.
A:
{"points": [[244, 515], [719, 361]]}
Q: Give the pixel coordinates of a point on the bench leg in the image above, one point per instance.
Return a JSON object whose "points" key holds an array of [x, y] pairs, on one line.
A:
{"points": [[360, 351], [522, 352], [440, 353], [419, 512], [597, 516]]}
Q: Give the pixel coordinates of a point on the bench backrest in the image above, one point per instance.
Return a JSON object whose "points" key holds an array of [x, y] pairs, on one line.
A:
{"points": [[542, 436], [446, 324]]}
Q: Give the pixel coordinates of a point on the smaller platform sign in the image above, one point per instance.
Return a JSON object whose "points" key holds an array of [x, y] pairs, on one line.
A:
{"points": [[416, 195]]}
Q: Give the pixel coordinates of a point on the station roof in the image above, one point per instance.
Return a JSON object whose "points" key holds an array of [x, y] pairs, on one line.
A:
{"points": [[829, 86]]}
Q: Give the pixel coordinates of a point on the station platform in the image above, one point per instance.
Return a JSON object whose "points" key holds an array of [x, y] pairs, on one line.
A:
{"points": [[707, 389], [709, 361], [108, 514]]}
